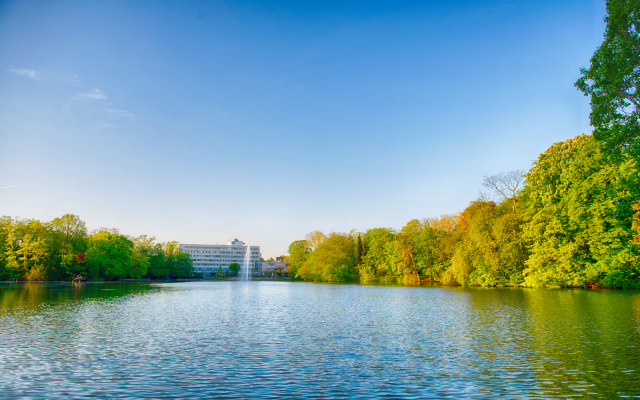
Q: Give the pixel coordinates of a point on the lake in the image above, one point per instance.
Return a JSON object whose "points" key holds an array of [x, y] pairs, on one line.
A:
{"points": [[286, 339]]}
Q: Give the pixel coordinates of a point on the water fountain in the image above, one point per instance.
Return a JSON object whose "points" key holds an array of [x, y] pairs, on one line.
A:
{"points": [[245, 272]]}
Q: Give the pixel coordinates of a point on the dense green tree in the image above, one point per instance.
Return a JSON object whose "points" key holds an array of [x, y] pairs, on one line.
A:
{"points": [[489, 252], [580, 216], [612, 79], [109, 255], [298, 252], [425, 251], [307, 270], [27, 250], [61, 249], [333, 260], [68, 237], [635, 242], [157, 263], [143, 249], [5, 229], [179, 264], [379, 242], [234, 268], [405, 242], [31, 257], [359, 251]]}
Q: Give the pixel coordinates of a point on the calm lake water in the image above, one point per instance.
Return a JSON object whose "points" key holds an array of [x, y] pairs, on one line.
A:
{"points": [[279, 339]]}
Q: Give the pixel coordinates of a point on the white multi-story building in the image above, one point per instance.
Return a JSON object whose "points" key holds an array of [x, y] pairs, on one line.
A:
{"points": [[208, 258]]}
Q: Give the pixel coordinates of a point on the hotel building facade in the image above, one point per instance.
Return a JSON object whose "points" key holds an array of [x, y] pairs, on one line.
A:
{"points": [[208, 258]]}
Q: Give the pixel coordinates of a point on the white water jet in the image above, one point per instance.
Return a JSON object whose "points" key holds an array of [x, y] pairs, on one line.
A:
{"points": [[245, 272]]}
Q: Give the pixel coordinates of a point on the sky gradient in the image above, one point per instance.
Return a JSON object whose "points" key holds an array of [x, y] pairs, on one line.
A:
{"points": [[206, 121]]}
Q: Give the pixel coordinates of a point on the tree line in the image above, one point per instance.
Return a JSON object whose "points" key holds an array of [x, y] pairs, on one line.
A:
{"points": [[62, 249], [573, 219]]}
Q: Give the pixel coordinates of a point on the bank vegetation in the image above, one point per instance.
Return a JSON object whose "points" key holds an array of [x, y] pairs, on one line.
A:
{"points": [[573, 219]]}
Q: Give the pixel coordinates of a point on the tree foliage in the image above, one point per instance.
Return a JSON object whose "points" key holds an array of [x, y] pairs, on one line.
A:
{"points": [[580, 216], [572, 224], [109, 255], [612, 79], [62, 249], [234, 267], [576, 220]]}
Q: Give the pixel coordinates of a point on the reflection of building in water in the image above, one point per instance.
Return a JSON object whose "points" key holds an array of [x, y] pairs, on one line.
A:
{"points": [[207, 258]]}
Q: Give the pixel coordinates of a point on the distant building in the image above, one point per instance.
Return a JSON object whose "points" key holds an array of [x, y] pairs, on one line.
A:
{"points": [[270, 267], [208, 258]]}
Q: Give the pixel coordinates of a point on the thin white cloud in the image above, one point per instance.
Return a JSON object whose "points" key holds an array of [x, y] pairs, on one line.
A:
{"points": [[69, 78], [112, 115], [118, 113], [94, 94], [7, 187], [26, 72]]}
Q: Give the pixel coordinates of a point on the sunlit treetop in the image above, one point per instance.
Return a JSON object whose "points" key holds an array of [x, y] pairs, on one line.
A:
{"points": [[612, 79]]}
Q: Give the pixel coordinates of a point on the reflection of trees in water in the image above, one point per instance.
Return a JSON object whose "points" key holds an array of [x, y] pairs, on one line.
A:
{"points": [[31, 295], [545, 342], [583, 341]]}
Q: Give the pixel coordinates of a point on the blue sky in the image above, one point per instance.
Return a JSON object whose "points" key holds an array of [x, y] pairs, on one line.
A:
{"points": [[205, 121]]}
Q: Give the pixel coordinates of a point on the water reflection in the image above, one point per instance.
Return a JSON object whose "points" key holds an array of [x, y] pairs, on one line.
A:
{"points": [[29, 295], [268, 339]]}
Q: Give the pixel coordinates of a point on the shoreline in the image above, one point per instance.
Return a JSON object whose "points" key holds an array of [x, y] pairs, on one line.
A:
{"points": [[278, 279]]}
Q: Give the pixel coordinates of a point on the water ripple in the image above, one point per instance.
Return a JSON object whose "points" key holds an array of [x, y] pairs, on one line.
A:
{"points": [[290, 340]]}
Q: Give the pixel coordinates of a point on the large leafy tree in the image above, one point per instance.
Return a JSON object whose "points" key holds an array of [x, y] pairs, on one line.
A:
{"points": [[179, 264], [580, 216], [109, 255], [31, 257], [489, 252], [69, 236], [334, 259], [612, 79], [405, 243], [5, 230], [27, 249], [425, 247], [307, 270], [234, 267], [298, 252], [157, 263], [379, 243], [143, 250]]}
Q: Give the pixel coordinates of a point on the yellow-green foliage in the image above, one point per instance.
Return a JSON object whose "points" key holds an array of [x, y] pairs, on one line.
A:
{"points": [[570, 225], [579, 225], [62, 249], [332, 260]]}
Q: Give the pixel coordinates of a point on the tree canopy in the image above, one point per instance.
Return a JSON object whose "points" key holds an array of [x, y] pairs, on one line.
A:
{"points": [[611, 81], [63, 249]]}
